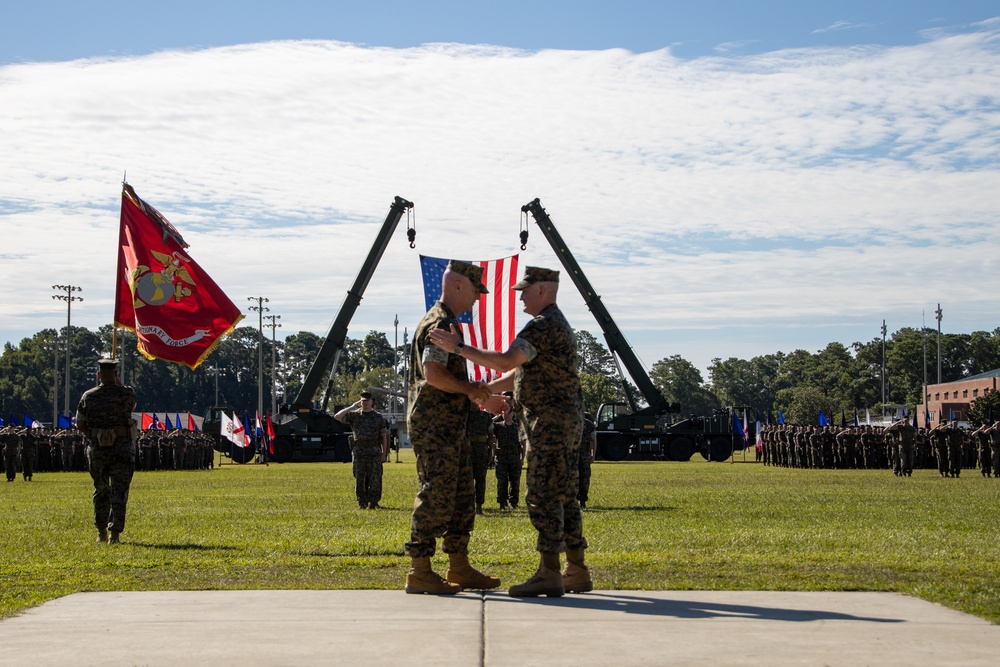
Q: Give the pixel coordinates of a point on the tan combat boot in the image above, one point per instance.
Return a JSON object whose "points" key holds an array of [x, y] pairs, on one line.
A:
{"points": [[546, 581], [461, 573], [102, 536], [113, 537], [576, 575], [422, 579]]}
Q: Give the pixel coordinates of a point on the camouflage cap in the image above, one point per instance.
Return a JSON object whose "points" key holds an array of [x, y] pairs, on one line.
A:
{"points": [[107, 364], [473, 273], [536, 274], [367, 395]]}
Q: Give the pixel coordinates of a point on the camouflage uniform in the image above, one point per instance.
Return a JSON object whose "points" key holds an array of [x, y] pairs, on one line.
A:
{"points": [[549, 404], [939, 439], [11, 442], [29, 447], [105, 416], [436, 421], [955, 438], [366, 452], [508, 463], [480, 430], [583, 494]]}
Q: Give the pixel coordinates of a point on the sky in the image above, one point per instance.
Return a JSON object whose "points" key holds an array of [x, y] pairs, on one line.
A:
{"points": [[735, 178]]}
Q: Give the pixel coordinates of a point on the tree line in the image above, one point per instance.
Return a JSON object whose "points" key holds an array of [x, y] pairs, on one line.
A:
{"points": [[837, 379]]}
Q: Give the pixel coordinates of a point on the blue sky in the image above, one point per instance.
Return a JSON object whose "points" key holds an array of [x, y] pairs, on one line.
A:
{"points": [[736, 178], [63, 30]]}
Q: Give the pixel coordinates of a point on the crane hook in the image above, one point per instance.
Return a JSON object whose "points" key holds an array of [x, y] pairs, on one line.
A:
{"points": [[524, 230], [411, 229]]}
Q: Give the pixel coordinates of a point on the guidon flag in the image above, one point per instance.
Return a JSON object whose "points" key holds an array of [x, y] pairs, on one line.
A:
{"points": [[176, 310]]}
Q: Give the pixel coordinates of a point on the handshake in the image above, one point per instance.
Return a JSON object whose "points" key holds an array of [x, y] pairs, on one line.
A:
{"points": [[493, 403]]}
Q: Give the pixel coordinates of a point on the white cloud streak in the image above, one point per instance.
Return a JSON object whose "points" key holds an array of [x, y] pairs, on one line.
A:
{"points": [[719, 194]]}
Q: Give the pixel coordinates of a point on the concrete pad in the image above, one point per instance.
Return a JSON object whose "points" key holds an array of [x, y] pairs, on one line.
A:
{"points": [[252, 628], [735, 628], [246, 629]]}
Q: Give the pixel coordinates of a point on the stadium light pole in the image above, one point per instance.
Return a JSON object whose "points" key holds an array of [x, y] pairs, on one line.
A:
{"points": [[69, 299], [260, 309], [274, 325]]}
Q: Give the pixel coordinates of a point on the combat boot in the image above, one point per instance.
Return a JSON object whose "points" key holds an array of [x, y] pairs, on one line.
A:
{"points": [[422, 579], [479, 510], [102, 536], [113, 537], [576, 575], [461, 573], [546, 581]]}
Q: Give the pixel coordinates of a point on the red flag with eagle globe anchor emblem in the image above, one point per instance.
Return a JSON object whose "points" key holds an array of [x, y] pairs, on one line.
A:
{"points": [[177, 311]]}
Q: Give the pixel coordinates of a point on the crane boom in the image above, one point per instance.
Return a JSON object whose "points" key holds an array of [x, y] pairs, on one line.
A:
{"points": [[337, 336], [612, 334]]}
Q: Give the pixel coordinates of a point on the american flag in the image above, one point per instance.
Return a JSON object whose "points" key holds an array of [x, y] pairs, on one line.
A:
{"points": [[490, 325]]}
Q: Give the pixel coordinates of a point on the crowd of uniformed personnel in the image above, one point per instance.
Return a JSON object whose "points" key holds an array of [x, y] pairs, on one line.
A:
{"points": [[899, 447], [30, 450]]}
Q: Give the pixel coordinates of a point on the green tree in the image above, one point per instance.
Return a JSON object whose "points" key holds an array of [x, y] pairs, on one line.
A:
{"points": [[680, 382]]}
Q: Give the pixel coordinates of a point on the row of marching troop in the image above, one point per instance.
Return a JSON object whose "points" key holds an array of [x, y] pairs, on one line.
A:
{"points": [[900, 447], [28, 450]]}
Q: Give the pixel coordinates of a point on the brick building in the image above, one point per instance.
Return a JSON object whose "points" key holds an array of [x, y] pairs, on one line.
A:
{"points": [[952, 399]]}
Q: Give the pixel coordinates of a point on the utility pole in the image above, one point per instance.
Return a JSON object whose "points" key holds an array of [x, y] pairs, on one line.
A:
{"points": [[938, 313], [395, 362], [883, 370], [216, 369], [274, 395], [923, 328], [69, 299], [260, 309]]}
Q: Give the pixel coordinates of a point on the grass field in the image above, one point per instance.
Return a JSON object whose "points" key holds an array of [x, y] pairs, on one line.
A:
{"points": [[651, 526]]}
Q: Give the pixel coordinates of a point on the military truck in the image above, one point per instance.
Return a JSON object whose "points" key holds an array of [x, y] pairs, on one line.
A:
{"points": [[304, 430], [626, 430]]}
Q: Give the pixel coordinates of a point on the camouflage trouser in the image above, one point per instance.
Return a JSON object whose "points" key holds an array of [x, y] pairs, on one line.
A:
{"points": [[445, 504], [10, 462], [367, 474], [480, 463], [995, 455], [508, 477], [985, 462], [111, 469], [954, 459], [553, 481], [941, 454], [27, 461], [583, 492], [905, 458]]}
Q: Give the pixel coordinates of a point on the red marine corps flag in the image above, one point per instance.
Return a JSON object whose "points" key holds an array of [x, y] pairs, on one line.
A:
{"points": [[177, 311]]}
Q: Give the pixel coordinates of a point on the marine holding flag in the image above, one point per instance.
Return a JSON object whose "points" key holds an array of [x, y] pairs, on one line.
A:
{"points": [[176, 310]]}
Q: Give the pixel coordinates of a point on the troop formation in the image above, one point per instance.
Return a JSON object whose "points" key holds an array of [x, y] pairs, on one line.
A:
{"points": [[176, 449], [899, 447]]}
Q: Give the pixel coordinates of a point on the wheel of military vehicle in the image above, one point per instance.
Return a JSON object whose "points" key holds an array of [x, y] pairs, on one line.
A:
{"points": [[241, 454], [342, 450], [282, 450], [680, 449], [721, 449], [616, 449]]}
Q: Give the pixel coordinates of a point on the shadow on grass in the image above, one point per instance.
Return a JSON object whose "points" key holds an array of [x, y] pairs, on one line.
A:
{"points": [[190, 546], [691, 609], [597, 509]]}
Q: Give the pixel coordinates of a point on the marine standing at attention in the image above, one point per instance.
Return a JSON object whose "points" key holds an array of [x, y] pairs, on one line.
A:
{"points": [[440, 396], [369, 449], [104, 416], [541, 365]]}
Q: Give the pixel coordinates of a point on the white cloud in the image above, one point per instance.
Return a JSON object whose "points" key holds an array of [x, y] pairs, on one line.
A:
{"points": [[815, 186]]}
